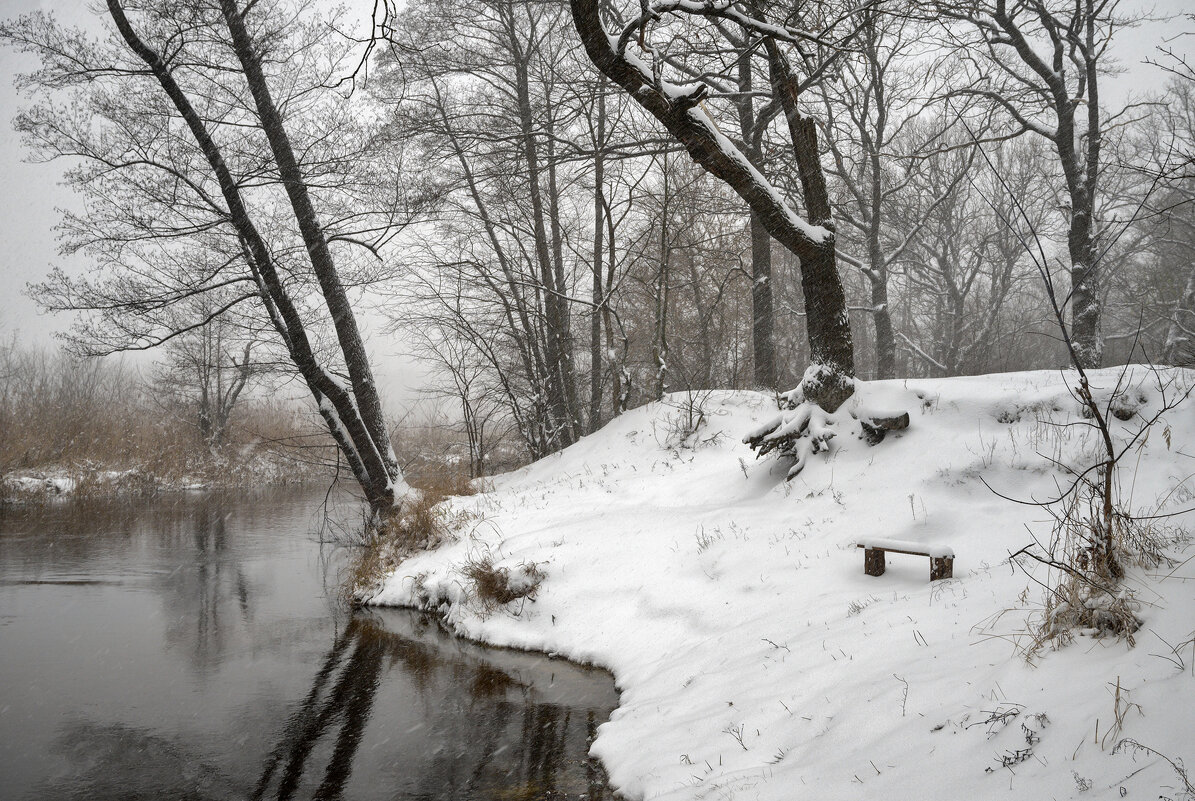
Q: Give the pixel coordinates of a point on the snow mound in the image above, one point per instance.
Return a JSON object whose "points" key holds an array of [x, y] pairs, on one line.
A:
{"points": [[754, 658]]}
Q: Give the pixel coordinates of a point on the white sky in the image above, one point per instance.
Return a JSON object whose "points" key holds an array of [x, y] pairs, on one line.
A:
{"points": [[29, 193]]}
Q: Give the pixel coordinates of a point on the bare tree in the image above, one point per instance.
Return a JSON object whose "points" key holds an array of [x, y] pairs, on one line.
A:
{"points": [[630, 58], [686, 300], [1170, 215], [484, 90], [183, 144], [967, 260], [206, 370], [875, 130], [1041, 62]]}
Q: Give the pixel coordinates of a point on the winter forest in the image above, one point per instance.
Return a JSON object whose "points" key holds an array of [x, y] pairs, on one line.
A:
{"points": [[680, 291], [559, 251]]}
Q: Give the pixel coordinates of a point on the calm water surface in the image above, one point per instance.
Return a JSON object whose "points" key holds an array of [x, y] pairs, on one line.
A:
{"points": [[190, 648]]}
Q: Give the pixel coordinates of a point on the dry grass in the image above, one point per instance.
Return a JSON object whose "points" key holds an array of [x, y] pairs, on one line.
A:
{"points": [[100, 423], [422, 522], [495, 586], [1184, 789], [1088, 596], [443, 481], [386, 541]]}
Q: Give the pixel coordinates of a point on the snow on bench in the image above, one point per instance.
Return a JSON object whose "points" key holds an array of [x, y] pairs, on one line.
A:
{"points": [[941, 557]]}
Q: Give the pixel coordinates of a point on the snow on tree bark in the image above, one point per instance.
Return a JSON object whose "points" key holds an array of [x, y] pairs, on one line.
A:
{"points": [[678, 109]]}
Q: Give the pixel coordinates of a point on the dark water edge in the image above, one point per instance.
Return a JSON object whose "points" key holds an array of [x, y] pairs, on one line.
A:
{"points": [[191, 647]]}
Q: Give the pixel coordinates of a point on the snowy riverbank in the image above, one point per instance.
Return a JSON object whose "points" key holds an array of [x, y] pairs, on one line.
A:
{"points": [[55, 482], [757, 661]]}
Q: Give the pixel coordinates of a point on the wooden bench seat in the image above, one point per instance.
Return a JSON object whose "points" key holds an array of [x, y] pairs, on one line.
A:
{"points": [[941, 557]]}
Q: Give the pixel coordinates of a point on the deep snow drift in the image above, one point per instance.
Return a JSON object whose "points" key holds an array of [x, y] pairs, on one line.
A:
{"points": [[757, 661]]}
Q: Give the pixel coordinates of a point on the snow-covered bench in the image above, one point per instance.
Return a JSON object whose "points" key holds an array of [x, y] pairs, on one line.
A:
{"points": [[941, 557]]}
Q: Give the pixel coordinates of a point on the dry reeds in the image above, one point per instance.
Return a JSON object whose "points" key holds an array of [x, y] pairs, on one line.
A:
{"points": [[99, 423], [420, 522]]}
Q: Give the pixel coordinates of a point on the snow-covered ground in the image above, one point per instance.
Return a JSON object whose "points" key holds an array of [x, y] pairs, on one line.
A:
{"points": [[756, 660]]}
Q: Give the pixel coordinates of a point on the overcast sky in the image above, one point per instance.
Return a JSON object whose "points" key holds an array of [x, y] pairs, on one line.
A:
{"points": [[29, 193]]}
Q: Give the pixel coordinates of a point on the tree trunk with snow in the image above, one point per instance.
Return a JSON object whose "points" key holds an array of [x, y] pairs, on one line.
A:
{"points": [[1177, 348], [375, 448], [598, 266], [763, 341], [751, 129], [352, 413], [664, 258], [1051, 55], [679, 110]]}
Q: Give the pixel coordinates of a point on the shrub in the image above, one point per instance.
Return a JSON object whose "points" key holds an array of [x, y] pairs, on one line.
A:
{"points": [[1095, 536]]}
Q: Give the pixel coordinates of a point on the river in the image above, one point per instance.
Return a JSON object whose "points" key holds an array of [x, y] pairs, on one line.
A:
{"points": [[191, 647]]}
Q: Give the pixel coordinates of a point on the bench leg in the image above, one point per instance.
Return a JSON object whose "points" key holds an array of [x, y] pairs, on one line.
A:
{"points": [[873, 561], [941, 568]]}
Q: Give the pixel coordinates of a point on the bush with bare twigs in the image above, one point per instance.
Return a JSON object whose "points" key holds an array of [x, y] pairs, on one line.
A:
{"points": [[1095, 537], [1095, 533]]}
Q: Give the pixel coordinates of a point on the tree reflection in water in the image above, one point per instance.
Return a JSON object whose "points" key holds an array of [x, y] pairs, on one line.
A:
{"points": [[481, 733], [489, 736], [103, 706], [208, 597]]}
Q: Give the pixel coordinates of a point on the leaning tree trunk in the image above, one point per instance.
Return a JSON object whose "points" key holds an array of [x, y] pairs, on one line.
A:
{"points": [[825, 301], [352, 346], [340, 410]]}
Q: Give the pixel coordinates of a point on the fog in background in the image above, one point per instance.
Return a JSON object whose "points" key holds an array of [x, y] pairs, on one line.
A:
{"points": [[30, 193]]}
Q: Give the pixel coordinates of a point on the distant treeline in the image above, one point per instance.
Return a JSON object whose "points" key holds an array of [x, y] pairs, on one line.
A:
{"points": [[105, 424]]}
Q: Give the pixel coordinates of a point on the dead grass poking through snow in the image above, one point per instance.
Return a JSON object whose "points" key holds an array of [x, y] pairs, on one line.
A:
{"points": [[421, 523], [495, 586], [1087, 597]]}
